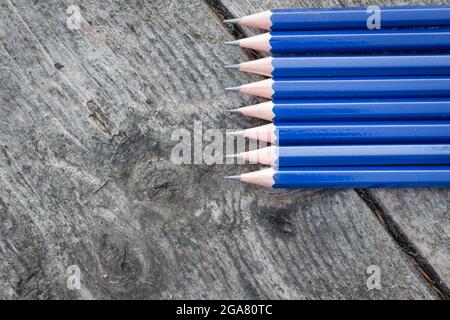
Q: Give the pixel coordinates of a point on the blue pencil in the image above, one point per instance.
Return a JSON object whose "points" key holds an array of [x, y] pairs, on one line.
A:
{"points": [[348, 87], [350, 177], [346, 18], [349, 155], [348, 66], [338, 133], [349, 110], [348, 41]]}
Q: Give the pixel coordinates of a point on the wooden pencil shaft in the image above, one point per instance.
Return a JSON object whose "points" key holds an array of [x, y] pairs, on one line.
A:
{"points": [[348, 66], [350, 155], [347, 18], [350, 87], [337, 133], [351, 177], [350, 110], [351, 41], [363, 177]]}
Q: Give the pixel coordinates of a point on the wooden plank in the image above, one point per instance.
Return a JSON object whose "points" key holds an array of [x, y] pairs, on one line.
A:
{"points": [[86, 178], [422, 214]]}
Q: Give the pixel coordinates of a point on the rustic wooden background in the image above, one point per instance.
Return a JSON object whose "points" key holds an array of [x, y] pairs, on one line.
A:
{"points": [[85, 175]]}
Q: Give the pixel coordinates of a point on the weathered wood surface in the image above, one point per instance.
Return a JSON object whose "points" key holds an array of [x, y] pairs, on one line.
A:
{"points": [[423, 215], [86, 177]]}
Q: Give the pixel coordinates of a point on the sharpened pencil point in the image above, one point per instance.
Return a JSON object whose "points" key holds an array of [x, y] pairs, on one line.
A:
{"points": [[232, 66], [233, 89], [234, 110], [235, 133], [232, 43], [232, 21], [238, 178]]}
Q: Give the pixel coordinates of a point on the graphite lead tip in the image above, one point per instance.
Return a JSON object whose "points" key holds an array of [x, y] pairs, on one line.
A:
{"points": [[234, 110], [238, 178], [232, 43], [232, 21], [233, 88], [232, 66], [235, 133]]}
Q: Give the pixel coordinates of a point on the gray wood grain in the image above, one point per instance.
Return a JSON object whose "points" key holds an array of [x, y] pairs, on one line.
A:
{"points": [[86, 178], [423, 215]]}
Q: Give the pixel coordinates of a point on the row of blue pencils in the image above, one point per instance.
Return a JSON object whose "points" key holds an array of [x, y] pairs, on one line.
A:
{"points": [[349, 119]]}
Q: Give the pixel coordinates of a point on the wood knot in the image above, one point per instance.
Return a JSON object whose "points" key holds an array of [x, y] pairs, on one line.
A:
{"points": [[278, 221], [121, 264]]}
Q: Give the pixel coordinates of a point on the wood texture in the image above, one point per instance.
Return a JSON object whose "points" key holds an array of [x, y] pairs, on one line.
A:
{"points": [[86, 177], [423, 215]]}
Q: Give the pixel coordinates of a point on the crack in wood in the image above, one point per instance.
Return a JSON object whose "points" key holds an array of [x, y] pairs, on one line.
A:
{"points": [[425, 269], [223, 13]]}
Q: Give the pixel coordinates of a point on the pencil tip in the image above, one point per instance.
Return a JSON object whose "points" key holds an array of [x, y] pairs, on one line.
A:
{"points": [[233, 88], [232, 66], [234, 110], [232, 43], [235, 133], [238, 178], [232, 21]]}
